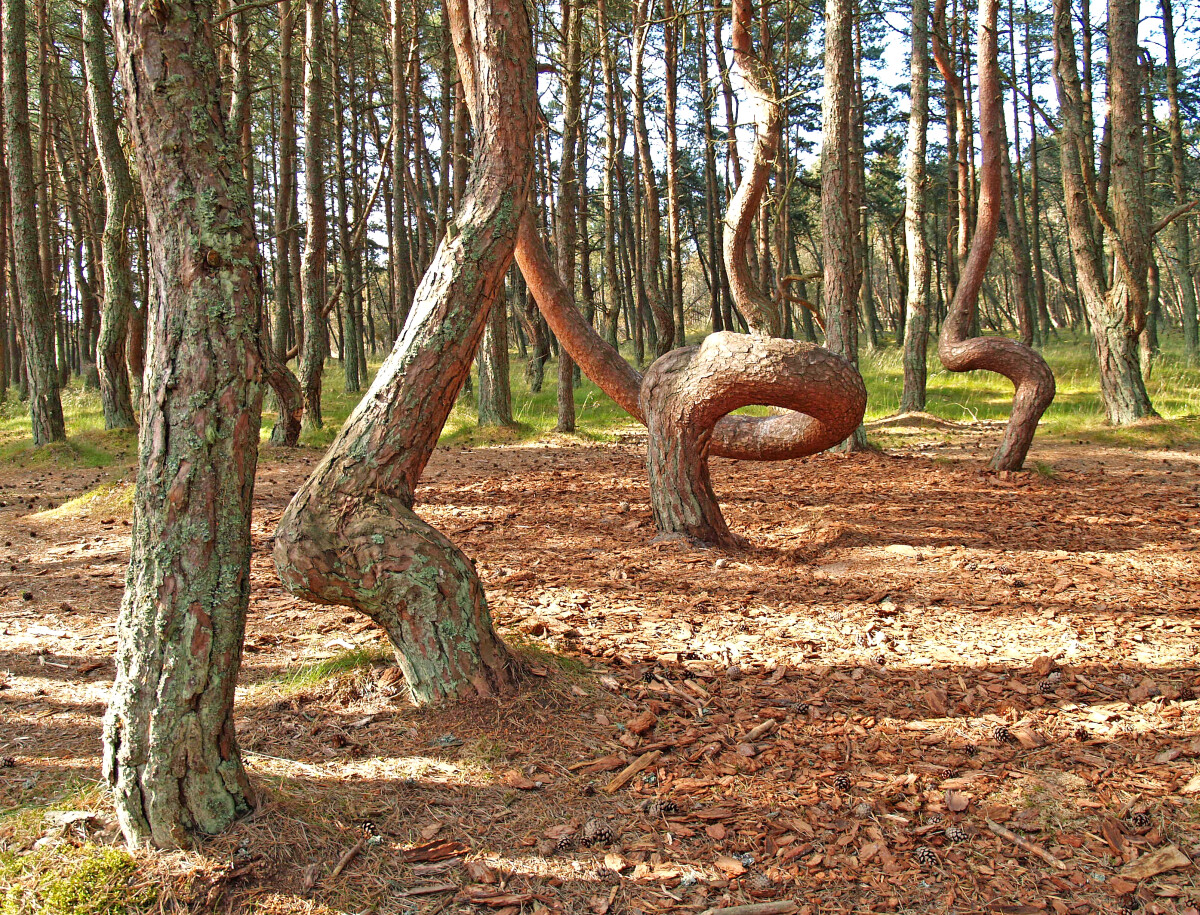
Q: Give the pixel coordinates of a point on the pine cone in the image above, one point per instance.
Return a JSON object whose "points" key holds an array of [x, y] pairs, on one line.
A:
{"points": [[842, 782], [1047, 686], [1141, 820], [565, 841], [1129, 903], [367, 828], [1082, 734], [926, 856], [7, 762], [1001, 734], [802, 708], [597, 832], [956, 834], [970, 749], [1186, 693]]}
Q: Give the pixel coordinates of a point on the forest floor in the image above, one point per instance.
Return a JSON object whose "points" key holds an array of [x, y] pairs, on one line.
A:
{"points": [[914, 654]]}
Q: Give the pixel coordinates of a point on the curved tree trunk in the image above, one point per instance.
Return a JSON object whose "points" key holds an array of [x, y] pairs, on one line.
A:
{"points": [[37, 317], [350, 537], [686, 392], [1021, 365], [170, 751], [761, 312]]}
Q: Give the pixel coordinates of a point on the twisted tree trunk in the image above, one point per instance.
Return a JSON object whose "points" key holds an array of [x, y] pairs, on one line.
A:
{"points": [[349, 536], [763, 313], [1021, 365]]}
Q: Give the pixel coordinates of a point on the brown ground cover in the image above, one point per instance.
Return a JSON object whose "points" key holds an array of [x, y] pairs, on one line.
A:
{"points": [[915, 654]]}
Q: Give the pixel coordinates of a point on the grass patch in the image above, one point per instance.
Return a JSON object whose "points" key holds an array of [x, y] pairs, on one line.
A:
{"points": [[108, 499], [1077, 411], [317, 672], [73, 880]]}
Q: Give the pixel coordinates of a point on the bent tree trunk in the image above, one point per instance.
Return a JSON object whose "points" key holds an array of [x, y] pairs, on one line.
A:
{"points": [[349, 536], [689, 389], [115, 397], [170, 751], [763, 314], [959, 353], [831, 405]]}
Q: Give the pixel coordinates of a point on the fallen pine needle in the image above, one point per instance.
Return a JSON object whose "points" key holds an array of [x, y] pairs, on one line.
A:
{"points": [[1026, 845]]}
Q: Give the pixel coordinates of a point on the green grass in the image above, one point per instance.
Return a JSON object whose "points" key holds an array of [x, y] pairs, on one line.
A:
{"points": [[308, 675], [1077, 412], [66, 880]]}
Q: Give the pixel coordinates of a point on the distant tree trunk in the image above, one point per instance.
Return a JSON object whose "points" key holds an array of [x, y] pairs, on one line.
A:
{"points": [[350, 537], [1181, 239], [1117, 310], [916, 328], [1027, 370], [495, 392], [612, 278], [170, 751], [314, 346], [671, 28], [761, 310], [660, 307], [37, 316], [712, 195], [568, 195], [1017, 242]]}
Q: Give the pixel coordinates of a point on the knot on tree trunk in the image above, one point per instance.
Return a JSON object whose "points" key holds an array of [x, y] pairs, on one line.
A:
{"points": [[687, 393]]}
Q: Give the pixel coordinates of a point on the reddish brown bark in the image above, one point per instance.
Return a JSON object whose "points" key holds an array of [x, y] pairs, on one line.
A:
{"points": [[1028, 371]]}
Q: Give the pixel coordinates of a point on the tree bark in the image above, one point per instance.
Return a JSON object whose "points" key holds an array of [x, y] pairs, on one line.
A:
{"points": [[37, 316], [170, 751], [350, 537], [568, 195], [1027, 370]]}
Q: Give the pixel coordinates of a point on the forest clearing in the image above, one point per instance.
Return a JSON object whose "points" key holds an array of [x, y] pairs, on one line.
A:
{"points": [[957, 646], [611, 457]]}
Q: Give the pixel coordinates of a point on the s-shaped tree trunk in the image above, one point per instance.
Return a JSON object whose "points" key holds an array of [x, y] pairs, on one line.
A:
{"points": [[1019, 363], [170, 751], [350, 536], [762, 313]]}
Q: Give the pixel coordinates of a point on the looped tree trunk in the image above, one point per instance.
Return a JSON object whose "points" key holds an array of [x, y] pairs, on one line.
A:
{"points": [[349, 536], [688, 390], [290, 396], [1028, 371], [761, 312]]}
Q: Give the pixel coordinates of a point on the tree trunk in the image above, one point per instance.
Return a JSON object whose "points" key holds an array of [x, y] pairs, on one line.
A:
{"points": [[1113, 310], [1181, 249], [495, 392], [170, 751], [761, 310], [839, 240], [568, 196], [314, 345], [350, 537], [660, 307], [671, 26], [916, 327], [1027, 370], [37, 316]]}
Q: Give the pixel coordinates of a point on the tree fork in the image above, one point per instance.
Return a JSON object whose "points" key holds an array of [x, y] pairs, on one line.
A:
{"points": [[350, 537], [1028, 371]]}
